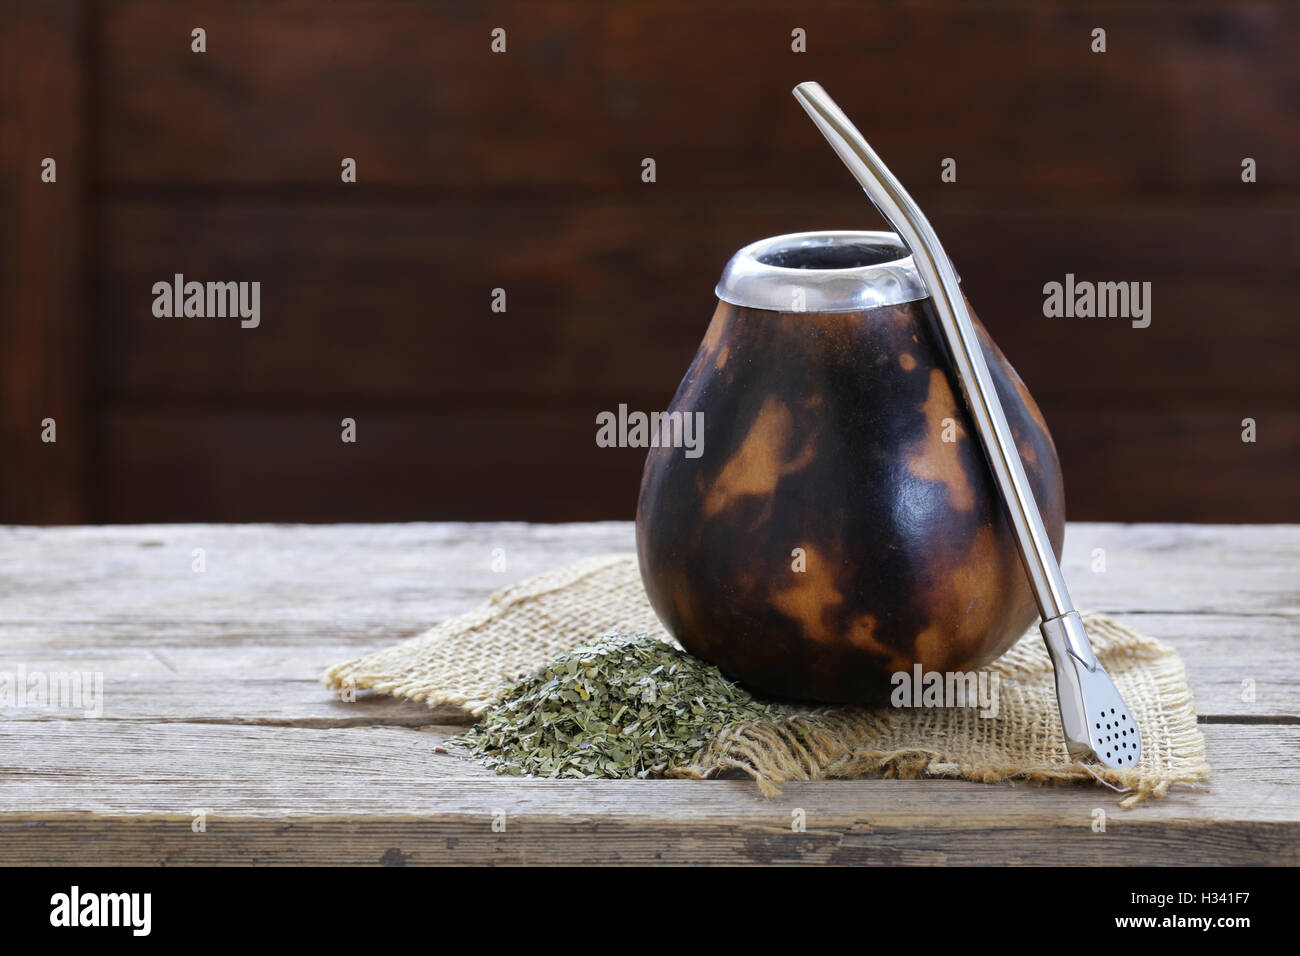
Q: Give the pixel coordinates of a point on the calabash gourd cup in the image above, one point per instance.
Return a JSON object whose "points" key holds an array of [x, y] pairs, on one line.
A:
{"points": [[841, 523]]}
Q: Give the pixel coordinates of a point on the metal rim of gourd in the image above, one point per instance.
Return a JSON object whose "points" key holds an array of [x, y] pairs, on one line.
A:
{"points": [[826, 271]]}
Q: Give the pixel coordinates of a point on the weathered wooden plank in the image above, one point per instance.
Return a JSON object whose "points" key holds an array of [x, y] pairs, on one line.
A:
{"points": [[368, 796], [1237, 666], [235, 723], [298, 701], [1183, 568], [586, 90], [402, 576], [43, 317], [272, 678], [264, 770], [123, 602], [239, 646], [412, 575], [583, 837]]}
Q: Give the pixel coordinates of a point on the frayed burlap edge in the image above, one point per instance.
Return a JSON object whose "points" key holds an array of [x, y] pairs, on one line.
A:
{"points": [[847, 742], [467, 661]]}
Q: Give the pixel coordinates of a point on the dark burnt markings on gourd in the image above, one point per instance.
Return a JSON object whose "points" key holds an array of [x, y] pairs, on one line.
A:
{"points": [[825, 433]]}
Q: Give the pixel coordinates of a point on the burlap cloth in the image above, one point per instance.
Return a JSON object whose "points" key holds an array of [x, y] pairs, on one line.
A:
{"points": [[465, 661]]}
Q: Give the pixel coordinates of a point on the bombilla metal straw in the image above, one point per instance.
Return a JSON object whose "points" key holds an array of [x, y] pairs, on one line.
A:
{"points": [[1094, 716], [941, 279]]}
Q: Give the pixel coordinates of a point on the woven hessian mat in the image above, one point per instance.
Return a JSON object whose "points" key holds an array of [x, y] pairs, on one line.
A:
{"points": [[466, 661]]}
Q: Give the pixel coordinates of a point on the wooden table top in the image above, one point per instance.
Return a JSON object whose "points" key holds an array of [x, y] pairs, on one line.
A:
{"points": [[218, 744]]}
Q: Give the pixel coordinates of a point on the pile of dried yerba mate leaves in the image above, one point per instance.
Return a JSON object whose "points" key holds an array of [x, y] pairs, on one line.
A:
{"points": [[620, 706]]}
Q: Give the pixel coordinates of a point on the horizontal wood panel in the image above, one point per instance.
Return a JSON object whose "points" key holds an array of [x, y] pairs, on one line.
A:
{"points": [[278, 674], [609, 300], [283, 586], [1138, 463], [278, 595], [522, 171], [223, 466], [1158, 461], [354, 795], [257, 771], [586, 90]]}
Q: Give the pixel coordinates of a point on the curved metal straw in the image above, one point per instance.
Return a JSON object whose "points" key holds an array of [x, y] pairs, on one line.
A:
{"points": [[1062, 627], [941, 280]]}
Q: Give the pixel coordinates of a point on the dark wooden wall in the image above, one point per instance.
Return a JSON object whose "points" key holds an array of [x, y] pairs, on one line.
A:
{"points": [[522, 171]]}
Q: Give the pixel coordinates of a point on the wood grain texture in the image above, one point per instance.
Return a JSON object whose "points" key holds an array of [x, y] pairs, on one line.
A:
{"points": [[608, 301], [200, 417], [283, 92], [212, 703], [169, 675], [368, 584], [181, 465], [272, 798], [522, 171], [1159, 460], [43, 326], [187, 463]]}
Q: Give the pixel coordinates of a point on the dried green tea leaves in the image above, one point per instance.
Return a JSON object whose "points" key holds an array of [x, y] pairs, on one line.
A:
{"points": [[619, 706]]}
